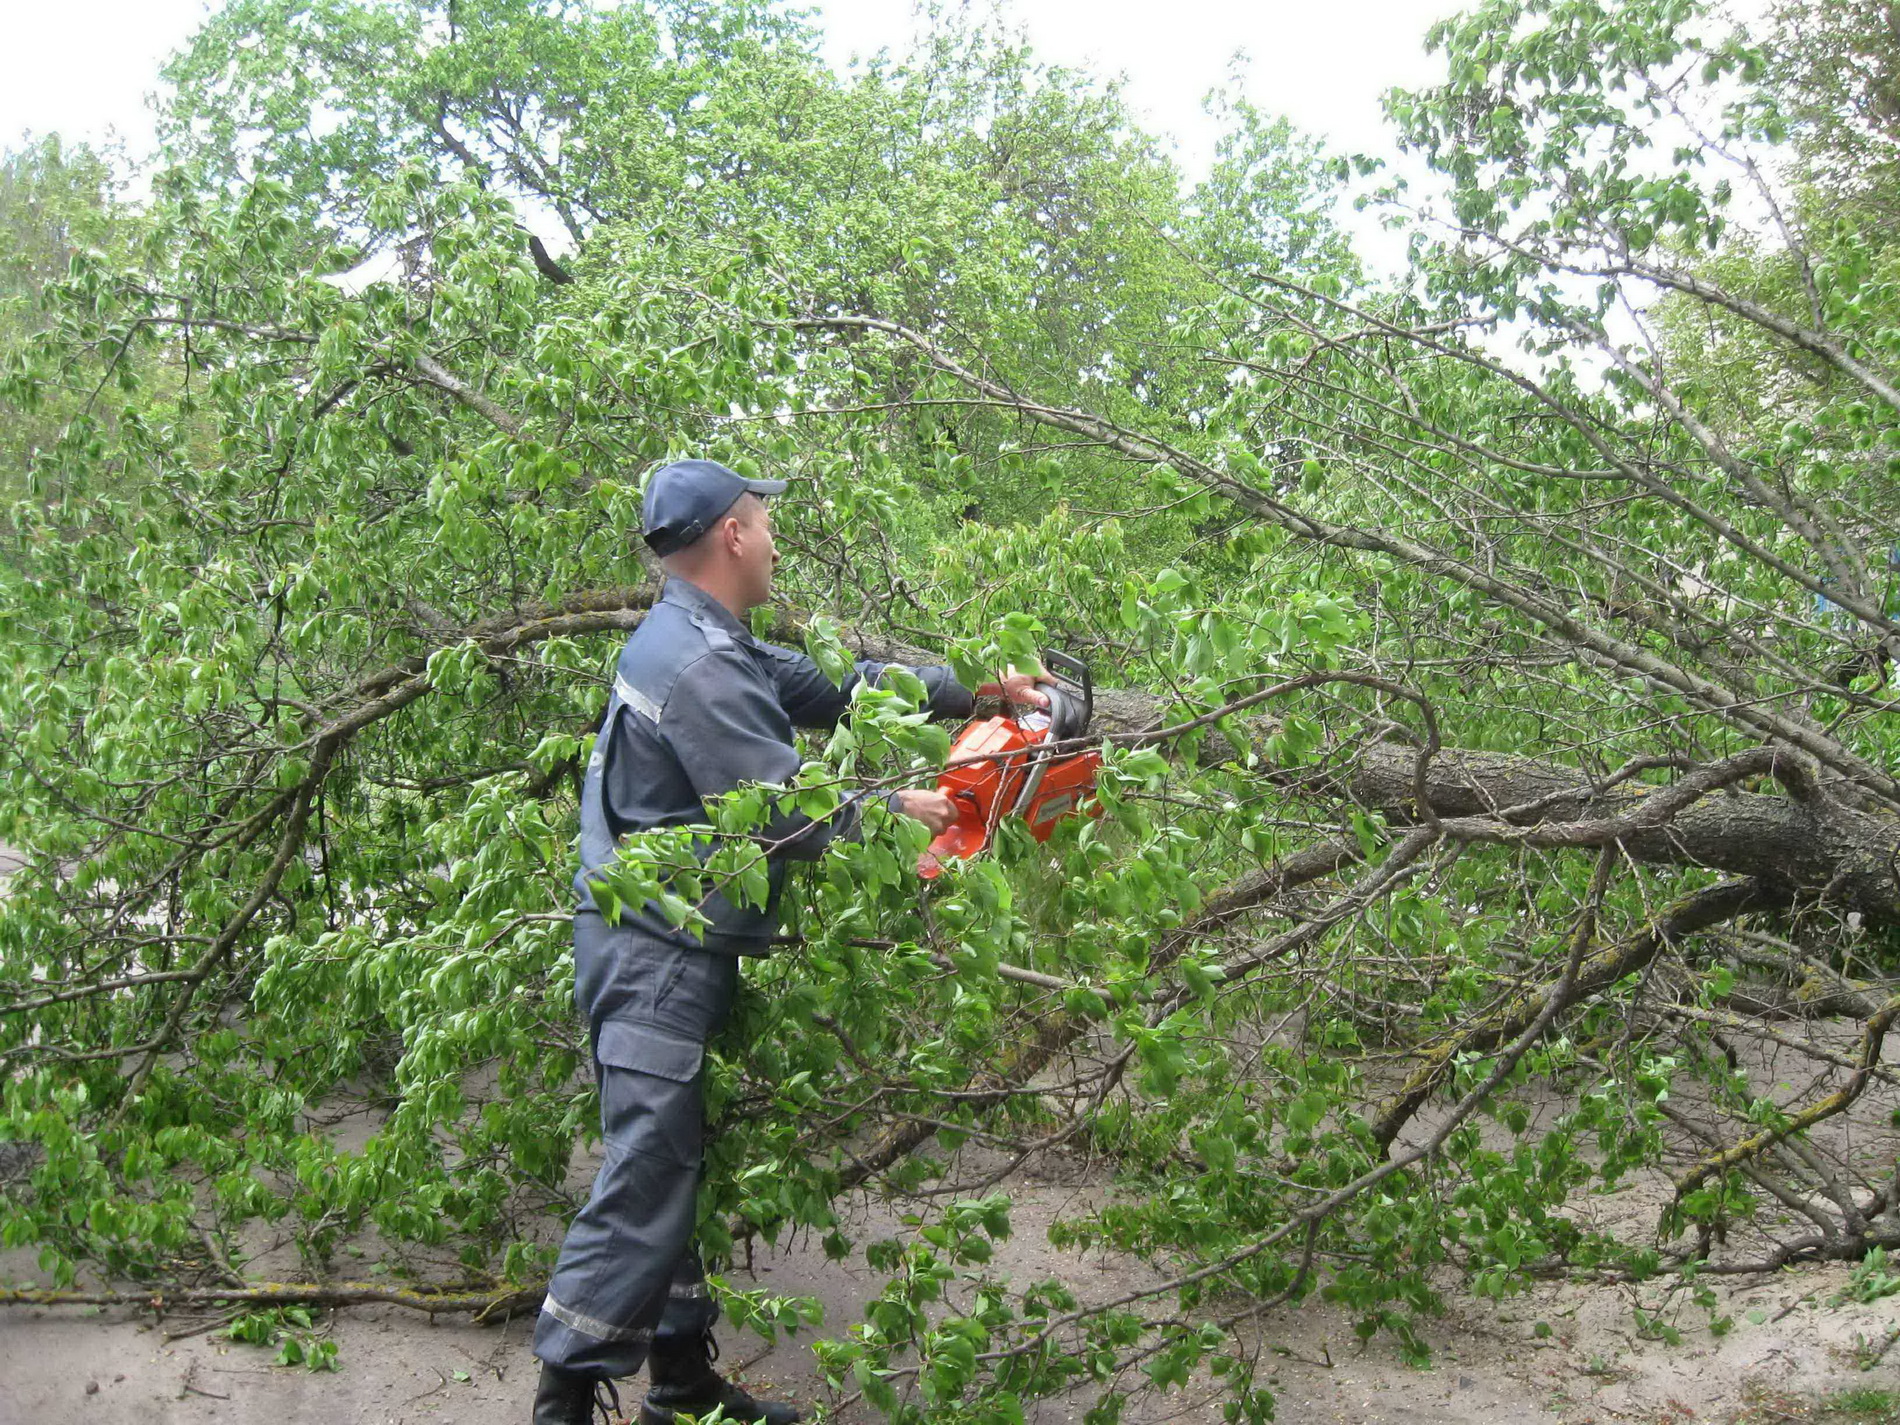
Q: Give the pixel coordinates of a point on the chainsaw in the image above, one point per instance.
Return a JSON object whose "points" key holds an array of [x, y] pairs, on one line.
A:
{"points": [[1013, 765]]}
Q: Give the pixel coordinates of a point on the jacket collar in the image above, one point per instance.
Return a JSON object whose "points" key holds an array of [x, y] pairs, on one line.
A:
{"points": [[697, 601]]}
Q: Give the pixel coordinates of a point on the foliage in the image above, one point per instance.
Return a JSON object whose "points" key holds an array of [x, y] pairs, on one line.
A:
{"points": [[289, 1329], [1500, 795], [1870, 1280], [55, 201]]}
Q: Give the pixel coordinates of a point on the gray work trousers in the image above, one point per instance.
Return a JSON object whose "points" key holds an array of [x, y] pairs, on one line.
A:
{"points": [[629, 1272]]}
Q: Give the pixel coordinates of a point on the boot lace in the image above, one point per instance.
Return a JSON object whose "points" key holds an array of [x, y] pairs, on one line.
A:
{"points": [[607, 1402]]}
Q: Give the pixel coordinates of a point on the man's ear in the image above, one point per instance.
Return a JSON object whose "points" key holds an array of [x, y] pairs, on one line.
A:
{"points": [[731, 533]]}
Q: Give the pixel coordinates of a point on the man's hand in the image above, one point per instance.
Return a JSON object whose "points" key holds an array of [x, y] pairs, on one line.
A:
{"points": [[1019, 688], [933, 809]]}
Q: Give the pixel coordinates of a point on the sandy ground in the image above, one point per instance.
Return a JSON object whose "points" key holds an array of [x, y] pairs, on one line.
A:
{"points": [[1492, 1365]]}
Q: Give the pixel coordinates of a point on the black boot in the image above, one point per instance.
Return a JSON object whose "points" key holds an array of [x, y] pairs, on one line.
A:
{"points": [[685, 1383], [570, 1398]]}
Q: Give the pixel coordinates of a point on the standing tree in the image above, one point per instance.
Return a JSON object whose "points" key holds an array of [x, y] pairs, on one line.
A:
{"points": [[55, 202]]}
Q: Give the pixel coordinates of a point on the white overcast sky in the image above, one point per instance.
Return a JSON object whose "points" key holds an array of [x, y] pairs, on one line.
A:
{"points": [[84, 68]]}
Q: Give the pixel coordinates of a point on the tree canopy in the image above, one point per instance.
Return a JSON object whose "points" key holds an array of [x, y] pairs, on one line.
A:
{"points": [[1501, 779]]}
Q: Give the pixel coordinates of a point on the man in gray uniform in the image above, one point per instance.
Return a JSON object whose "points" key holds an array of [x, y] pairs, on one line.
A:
{"points": [[699, 707]]}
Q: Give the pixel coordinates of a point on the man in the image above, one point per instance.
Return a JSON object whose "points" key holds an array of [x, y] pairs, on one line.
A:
{"points": [[699, 707]]}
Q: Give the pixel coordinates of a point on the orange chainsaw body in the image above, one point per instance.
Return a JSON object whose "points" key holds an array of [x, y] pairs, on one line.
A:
{"points": [[996, 770]]}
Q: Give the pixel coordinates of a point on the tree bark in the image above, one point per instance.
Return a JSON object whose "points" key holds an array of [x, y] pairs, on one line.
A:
{"points": [[1811, 849]]}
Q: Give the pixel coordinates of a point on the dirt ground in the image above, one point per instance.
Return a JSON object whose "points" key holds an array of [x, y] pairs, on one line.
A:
{"points": [[1800, 1360]]}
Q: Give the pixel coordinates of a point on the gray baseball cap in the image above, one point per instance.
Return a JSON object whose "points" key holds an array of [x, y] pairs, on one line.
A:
{"points": [[684, 500]]}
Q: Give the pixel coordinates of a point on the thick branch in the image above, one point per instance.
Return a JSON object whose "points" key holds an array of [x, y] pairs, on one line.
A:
{"points": [[485, 1305], [1872, 1038], [1798, 846], [1597, 972]]}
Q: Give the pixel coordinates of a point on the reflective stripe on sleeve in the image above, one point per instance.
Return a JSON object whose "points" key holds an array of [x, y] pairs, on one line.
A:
{"points": [[636, 699]]}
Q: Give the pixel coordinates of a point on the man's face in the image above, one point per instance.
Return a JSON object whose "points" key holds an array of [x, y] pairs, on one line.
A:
{"points": [[758, 554]]}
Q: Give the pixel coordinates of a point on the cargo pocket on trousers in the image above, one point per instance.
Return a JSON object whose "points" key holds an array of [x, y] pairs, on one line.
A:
{"points": [[648, 1049], [650, 1099]]}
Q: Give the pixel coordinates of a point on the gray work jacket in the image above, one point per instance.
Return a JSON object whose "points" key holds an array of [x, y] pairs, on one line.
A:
{"points": [[699, 707]]}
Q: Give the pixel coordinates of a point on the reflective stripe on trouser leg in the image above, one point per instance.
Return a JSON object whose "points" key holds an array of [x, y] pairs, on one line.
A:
{"points": [[690, 1309], [617, 1266]]}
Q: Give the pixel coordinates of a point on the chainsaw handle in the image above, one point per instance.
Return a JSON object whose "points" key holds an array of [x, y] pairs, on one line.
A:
{"points": [[1073, 681], [1071, 695]]}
